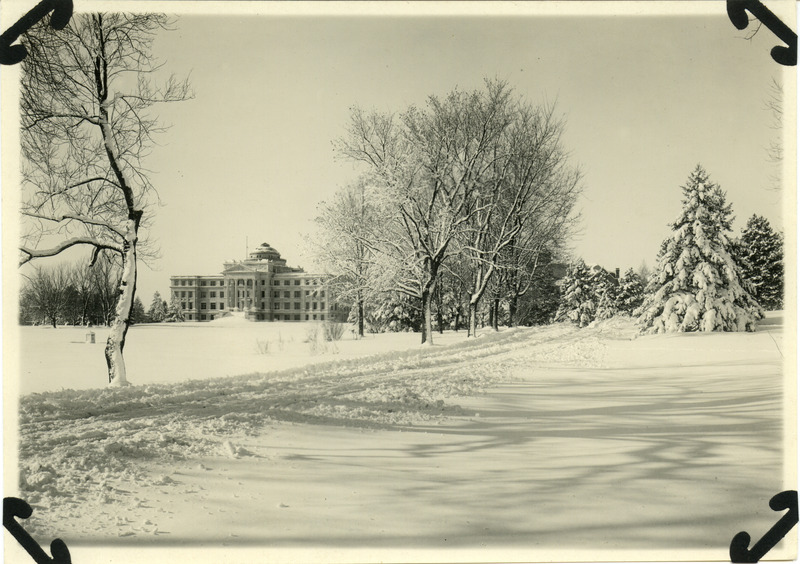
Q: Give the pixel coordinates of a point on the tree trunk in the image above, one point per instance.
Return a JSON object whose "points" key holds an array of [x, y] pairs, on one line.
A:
{"points": [[473, 319], [457, 318], [360, 316], [427, 321], [512, 310], [496, 317], [122, 315]]}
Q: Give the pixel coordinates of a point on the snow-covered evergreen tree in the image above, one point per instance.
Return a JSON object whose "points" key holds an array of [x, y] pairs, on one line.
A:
{"points": [[697, 285], [630, 292], [138, 314], [158, 309], [578, 297], [174, 311], [760, 256], [605, 291]]}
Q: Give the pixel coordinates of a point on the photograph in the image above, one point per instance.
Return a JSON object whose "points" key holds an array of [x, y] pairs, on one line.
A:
{"points": [[399, 281]]}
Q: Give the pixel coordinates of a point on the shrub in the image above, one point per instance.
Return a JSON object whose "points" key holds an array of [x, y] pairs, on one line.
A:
{"points": [[333, 330]]}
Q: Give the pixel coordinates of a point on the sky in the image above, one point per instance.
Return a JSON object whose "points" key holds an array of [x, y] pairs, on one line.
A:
{"points": [[645, 99]]}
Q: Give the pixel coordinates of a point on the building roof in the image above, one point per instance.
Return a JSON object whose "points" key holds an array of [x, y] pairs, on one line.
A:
{"points": [[265, 252]]}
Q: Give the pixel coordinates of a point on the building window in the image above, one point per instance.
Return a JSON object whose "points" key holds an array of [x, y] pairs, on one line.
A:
{"points": [[222, 294], [183, 305], [213, 283], [190, 317], [183, 294], [191, 294], [322, 294], [213, 305], [191, 305], [286, 282], [249, 283], [211, 317], [297, 282], [297, 293], [203, 294], [308, 305], [322, 305], [262, 294], [307, 283], [313, 305], [240, 282], [297, 317], [202, 282], [287, 294], [322, 317], [296, 305], [203, 317], [314, 316], [306, 317], [277, 305], [276, 294], [262, 281], [221, 305], [263, 305], [212, 294], [183, 282], [308, 293], [191, 282], [203, 305], [276, 282]]}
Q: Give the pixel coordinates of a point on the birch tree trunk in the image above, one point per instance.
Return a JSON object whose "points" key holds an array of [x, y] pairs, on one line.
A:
{"points": [[115, 343]]}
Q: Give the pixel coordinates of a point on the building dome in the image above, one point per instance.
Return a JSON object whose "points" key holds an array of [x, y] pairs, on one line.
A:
{"points": [[265, 252]]}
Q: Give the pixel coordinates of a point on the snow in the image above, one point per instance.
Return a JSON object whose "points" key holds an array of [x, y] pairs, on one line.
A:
{"points": [[526, 444], [174, 352]]}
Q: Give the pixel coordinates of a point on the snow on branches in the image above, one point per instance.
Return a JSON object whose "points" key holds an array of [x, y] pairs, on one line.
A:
{"points": [[697, 285]]}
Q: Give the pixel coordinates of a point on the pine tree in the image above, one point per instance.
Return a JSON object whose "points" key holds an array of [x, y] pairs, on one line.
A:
{"points": [[605, 290], [760, 256], [174, 311], [578, 299], [630, 292], [138, 314], [697, 285], [158, 309]]}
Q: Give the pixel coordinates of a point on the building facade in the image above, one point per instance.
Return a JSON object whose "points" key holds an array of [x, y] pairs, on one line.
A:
{"points": [[262, 286]]}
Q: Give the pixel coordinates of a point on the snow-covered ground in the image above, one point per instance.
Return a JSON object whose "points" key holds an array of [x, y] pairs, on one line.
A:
{"points": [[528, 444], [56, 359]]}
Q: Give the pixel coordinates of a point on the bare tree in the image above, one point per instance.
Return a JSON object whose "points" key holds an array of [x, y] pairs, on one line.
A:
{"points": [[46, 292], [429, 161], [346, 245], [528, 185], [87, 126], [774, 105]]}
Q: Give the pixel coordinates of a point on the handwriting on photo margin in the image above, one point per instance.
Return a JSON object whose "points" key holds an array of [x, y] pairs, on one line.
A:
{"points": [[783, 54], [779, 502], [13, 54], [15, 507]]}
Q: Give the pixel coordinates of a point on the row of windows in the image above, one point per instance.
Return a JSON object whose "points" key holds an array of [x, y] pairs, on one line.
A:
{"points": [[203, 305], [249, 282], [201, 283], [295, 317], [286, 305], [287, 294], [296, 282], [202, 294]]}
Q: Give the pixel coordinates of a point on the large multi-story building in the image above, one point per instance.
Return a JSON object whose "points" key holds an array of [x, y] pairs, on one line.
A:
{"points": [[262, 286]]}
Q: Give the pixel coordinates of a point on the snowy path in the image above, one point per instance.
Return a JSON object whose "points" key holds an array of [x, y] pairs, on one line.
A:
{"points": [[584, 439]]}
